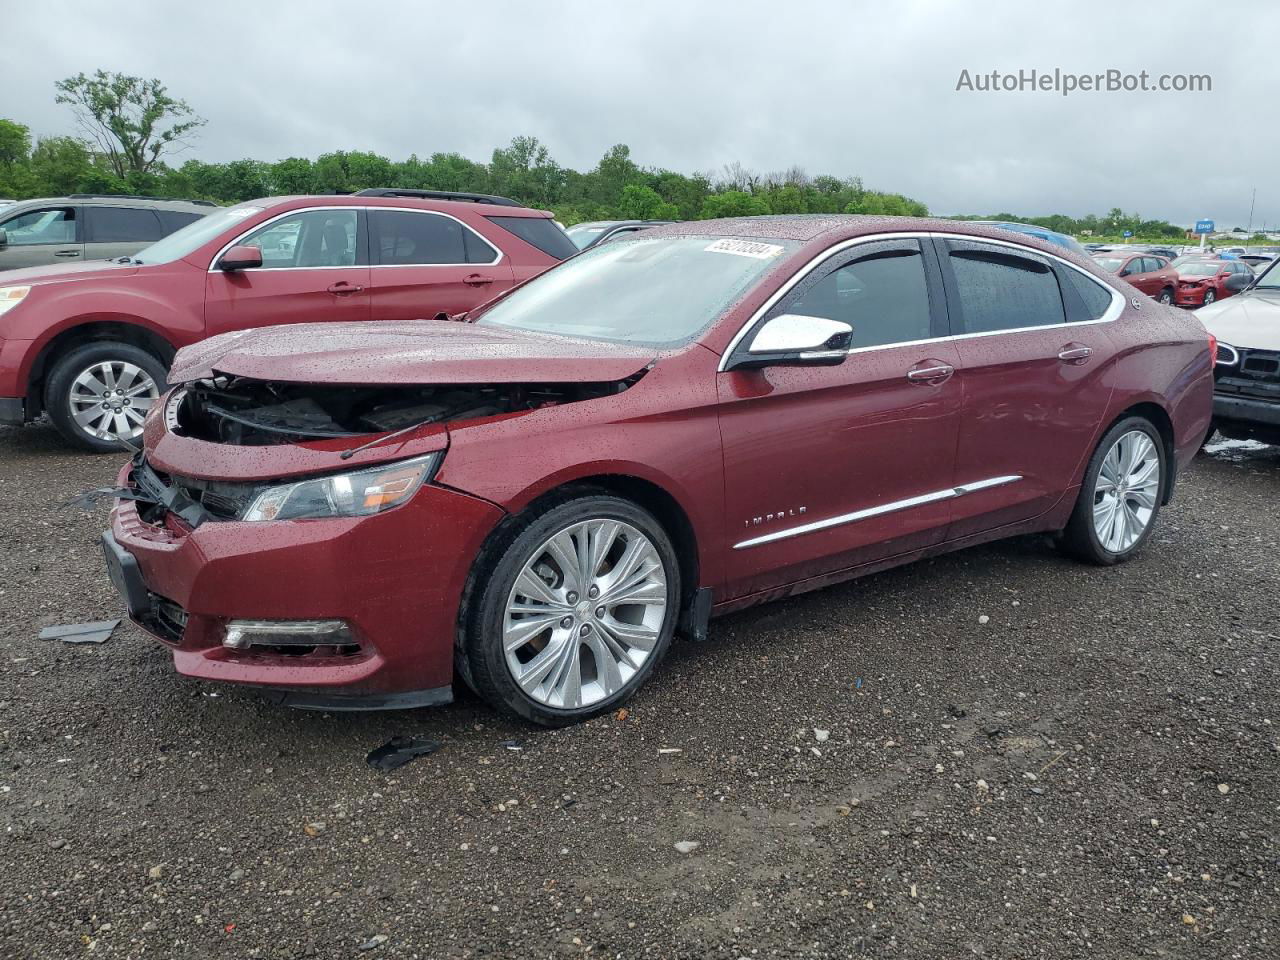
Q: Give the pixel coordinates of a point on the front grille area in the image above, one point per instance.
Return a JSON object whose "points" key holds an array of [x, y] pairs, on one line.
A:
{"points": [[212, 499], [1256, 374]]}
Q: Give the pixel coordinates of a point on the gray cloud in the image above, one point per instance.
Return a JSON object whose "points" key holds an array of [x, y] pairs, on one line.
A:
{"points": [[842, 88]]}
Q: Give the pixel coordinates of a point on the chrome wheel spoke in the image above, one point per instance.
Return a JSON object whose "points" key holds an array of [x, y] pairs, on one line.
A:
{"points": [[1126, 491], [585, 613], [110, 399]]}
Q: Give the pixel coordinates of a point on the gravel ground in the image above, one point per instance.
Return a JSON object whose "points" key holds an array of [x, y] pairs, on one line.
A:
{"points": [[1022, 757]]}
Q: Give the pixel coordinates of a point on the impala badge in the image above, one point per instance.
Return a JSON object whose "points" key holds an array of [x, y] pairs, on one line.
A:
{"points": [[779, 515]]}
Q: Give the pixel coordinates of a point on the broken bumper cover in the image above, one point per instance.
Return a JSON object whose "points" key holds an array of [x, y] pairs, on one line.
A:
{"points": [[395, 578], [1246, 410]]}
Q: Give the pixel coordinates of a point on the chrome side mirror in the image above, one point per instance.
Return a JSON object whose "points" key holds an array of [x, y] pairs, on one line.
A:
{"points": [[795, 339]]}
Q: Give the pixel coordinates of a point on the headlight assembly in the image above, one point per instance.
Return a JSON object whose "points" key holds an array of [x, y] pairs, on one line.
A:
{"points": [[356, 494], [10, 297]]}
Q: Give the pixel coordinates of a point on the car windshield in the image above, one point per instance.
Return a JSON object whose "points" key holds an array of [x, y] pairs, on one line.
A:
{"points": [[1269, 280], [195, 234], [583, 233], [1109, 264], [651, 290], [1198, 269]]}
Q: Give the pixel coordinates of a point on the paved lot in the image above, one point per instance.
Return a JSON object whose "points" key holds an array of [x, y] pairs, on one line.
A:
{"points": [[1092, 772]]}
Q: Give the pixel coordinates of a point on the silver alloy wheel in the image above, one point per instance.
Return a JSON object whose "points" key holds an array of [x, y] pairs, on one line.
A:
{"points": [[1124, 496], [585, 613], [110, 398], [1166, 297]]}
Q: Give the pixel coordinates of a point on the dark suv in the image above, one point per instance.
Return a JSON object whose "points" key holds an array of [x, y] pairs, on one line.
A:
{"points": [[83, 226], [90, 343]]}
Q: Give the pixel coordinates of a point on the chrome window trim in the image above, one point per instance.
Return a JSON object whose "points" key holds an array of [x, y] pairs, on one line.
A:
{"points": [[1111, 314], [367, 266], [949, 493]]}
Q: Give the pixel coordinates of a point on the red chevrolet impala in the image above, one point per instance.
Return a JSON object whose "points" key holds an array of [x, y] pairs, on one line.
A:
{"points": [[539, 495]]}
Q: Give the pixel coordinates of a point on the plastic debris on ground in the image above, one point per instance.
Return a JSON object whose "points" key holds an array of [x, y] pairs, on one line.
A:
{"points": [[97, 632], [398, 751]]}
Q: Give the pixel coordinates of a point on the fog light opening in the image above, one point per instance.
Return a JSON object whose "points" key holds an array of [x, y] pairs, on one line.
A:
{"points": [[244, 634]]}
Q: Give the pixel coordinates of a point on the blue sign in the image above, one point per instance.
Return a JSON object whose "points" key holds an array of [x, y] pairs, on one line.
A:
{"points": [[1128, 233], [1204, 226]]}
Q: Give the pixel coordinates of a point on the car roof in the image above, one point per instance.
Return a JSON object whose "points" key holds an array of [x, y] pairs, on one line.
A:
{"points": [[453, 207], [119, 200]]}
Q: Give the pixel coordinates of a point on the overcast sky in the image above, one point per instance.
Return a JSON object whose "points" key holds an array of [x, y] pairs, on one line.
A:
{"points": [[866, 89]]}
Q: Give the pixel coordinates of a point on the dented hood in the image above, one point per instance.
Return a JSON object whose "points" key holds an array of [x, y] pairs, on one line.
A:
{"points": [[412, 352]]}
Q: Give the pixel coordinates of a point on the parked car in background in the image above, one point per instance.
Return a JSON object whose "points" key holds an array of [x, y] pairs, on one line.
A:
{"points": [[1246, 398], [596, 232], [1041, 233], [1257, 260], [1201, 282], [1150, 274], [89, 343], [84, 226], [711, 415]]}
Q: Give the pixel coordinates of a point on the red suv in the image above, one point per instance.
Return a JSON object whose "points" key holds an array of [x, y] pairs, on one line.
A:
{"points": [[1149, 273], [654, 432], [89, 343]]}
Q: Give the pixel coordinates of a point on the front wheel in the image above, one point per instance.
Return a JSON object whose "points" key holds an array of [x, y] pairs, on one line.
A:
{"points": [[1209, 297], [1120, 497], [98, 394], [571, 618], [1166, 296]]}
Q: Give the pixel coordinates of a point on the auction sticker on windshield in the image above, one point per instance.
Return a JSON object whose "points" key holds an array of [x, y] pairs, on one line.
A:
{"points": [[745, 248]]}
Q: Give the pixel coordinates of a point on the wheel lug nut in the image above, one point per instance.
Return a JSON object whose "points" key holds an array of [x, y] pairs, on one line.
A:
{"points": [[586, 629], [572, 597], [599, 613], [593, 592], [566, 623]]}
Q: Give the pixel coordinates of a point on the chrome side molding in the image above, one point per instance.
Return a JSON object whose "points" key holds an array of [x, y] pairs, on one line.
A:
{"points": [[867, 513]]}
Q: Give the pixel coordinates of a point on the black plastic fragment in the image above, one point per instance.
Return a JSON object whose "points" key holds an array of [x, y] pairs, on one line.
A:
{"points": [[398, 751]]}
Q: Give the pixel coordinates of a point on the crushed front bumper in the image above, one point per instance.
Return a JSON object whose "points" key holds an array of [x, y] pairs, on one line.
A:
{"points": [[396, 578]]}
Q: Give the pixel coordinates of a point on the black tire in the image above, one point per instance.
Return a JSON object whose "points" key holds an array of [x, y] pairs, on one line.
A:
{"points": [[482, 659], [1166, 297], [1209, 297], [62, 377], [1080, 538]]}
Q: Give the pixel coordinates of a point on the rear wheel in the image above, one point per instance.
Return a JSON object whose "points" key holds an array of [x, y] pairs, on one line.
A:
{"points": [[98, 394], [1120, 497], [571, 618]]}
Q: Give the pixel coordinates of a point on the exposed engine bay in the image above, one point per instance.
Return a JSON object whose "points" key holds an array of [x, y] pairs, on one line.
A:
{"points": [[247, 412]]}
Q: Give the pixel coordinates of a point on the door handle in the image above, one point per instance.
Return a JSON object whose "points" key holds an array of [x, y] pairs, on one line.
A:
{"points": [[343, 287], [1075, 353], [936, 372], [477, 280], [66, 253]]}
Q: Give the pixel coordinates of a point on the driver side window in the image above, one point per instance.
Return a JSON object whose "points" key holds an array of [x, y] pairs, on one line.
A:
{"points": [[56, 225], [315, 238], [883, 295]]}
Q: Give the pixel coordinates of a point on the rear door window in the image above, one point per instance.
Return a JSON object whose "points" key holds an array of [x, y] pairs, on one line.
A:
{"points": [[121, 225], [171, 220], [999, 289], [402, 237]]}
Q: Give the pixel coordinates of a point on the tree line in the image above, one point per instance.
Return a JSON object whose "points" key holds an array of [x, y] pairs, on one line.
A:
{"points": [[132, 129]]}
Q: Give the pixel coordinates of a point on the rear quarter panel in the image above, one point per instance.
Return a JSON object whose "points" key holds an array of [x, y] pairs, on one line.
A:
{"points": [[1162, 357]]}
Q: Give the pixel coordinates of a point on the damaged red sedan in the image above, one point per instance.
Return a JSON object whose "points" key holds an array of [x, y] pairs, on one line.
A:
{"points": [[536, 497]]}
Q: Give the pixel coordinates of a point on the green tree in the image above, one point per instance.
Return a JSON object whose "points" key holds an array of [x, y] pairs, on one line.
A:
{"points": [[733, 203], [292, 175], [525, 171], [62, 165], [15, 142], [645, 203], [126, 117]]}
